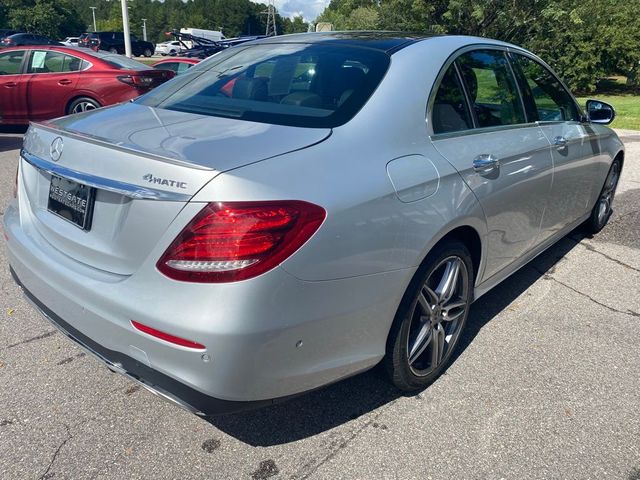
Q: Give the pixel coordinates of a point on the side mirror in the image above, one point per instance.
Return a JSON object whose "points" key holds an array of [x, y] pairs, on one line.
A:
{"points": [[600, 112]]}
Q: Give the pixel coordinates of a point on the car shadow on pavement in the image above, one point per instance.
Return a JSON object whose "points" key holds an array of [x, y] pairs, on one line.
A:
{"points": [[13, 138], [320, 410]]}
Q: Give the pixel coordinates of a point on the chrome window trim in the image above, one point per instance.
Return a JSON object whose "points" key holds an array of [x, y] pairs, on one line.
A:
{"points": [[480, 130], [122, 188]]}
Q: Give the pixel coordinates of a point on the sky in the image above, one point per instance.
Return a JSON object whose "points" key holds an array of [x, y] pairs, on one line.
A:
{"points": [[308, 9]]}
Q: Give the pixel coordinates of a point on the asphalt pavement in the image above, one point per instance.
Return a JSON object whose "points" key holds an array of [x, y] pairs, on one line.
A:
{"points": [[546, 385]]}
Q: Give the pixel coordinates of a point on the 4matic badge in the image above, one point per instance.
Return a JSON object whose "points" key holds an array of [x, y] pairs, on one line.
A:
{"points": [[149, 177]]}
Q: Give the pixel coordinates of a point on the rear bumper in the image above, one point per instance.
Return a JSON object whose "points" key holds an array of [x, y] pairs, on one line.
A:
{"points": [[156, 382], [269, 338]]}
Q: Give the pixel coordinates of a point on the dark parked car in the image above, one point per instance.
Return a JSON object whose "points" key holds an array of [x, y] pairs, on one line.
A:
{"points": [[205, 50], [5, 32], [114, 42], [43, 82], [19, 39]]}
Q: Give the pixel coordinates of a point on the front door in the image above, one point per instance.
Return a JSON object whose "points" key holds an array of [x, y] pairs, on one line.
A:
{"points": [[573, 145]]}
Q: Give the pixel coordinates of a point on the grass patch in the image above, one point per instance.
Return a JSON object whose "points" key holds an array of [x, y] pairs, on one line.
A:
{"points": [[627, 109], [625, 100], [146, 61]]}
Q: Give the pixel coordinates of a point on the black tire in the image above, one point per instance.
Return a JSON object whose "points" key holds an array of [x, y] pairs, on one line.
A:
{"points": [[147, 53], [427, 365], [113, 50], [603, 208], [82, 104]]}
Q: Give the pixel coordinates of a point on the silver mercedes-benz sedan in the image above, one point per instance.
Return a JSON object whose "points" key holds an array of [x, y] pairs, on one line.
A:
{"points": [[296, 210]]}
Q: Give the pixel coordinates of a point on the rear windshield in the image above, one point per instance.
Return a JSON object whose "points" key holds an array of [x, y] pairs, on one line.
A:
{"points": [[306, 85], [123, 63]]}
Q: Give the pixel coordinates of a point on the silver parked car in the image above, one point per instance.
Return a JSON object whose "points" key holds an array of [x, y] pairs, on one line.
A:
{"points": [[296, 210]]}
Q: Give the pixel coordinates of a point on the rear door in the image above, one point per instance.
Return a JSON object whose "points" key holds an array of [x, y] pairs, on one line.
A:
{"points": [[13, 98], [51, 81], [503, 159], [573, 145]]}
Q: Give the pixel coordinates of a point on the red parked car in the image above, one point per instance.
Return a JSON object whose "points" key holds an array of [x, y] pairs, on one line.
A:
{"points": [[43, 82]]}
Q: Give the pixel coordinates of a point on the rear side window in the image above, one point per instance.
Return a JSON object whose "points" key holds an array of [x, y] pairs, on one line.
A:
{"points": [[450, 112], [491, 88], [546, 98], [11, 62], [307, 85], [53, 62]]}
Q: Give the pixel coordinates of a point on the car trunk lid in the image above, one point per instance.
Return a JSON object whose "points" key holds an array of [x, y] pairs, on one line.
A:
{"points": [[145, 165]]}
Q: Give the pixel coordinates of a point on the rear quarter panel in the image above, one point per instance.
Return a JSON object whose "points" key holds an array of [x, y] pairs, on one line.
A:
{"points": [[105, 88]]}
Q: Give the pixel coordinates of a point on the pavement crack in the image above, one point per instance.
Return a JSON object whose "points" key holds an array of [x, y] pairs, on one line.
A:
{"points": [[46, 475], [608, 307], [33, 339], [591, 248]]}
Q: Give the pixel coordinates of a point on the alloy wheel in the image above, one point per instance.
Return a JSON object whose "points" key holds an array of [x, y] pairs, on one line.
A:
{"points": [[83, 107], [438, 315]]}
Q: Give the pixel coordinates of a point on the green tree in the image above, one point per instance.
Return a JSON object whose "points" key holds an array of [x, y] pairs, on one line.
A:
{"points": [[53, 18], [297, 25], [583, 40]]}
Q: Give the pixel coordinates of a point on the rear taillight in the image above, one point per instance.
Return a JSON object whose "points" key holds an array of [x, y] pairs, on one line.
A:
{"points": [[147, 81], [226, 242], [136, 80]]}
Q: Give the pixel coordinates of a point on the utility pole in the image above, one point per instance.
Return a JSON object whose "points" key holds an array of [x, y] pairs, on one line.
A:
{"points": [[93, 12], [144, 29], [271, 30], [125, 27]]}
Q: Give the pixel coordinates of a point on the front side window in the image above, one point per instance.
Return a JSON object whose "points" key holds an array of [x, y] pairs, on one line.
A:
{"points": [[306, 85], [11, 62], [546, 97], [53, 62], [450, 112], [491, 88]]}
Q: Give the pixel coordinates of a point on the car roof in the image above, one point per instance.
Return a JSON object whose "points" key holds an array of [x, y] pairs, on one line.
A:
{"points": [[379, 40], [63, 48]]}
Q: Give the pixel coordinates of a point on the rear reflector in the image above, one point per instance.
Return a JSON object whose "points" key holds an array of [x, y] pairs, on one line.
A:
{"points": [[167, 337], [227, 242]]}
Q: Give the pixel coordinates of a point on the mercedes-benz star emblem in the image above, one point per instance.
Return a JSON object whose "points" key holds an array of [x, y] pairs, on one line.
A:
{"points": [[55, 150]]}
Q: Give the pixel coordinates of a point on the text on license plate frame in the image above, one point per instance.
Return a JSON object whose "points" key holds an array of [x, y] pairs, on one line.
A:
{"points": [[71, 201]]}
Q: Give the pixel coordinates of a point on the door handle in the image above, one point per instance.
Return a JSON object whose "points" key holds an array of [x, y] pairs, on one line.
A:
{"points": [[10, 84], [485, 163], [64, 81], [560, 141]]}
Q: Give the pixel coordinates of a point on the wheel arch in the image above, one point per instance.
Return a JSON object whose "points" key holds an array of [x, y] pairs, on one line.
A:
{"points": [[620, 156], [465, 233], [470, 237]]}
